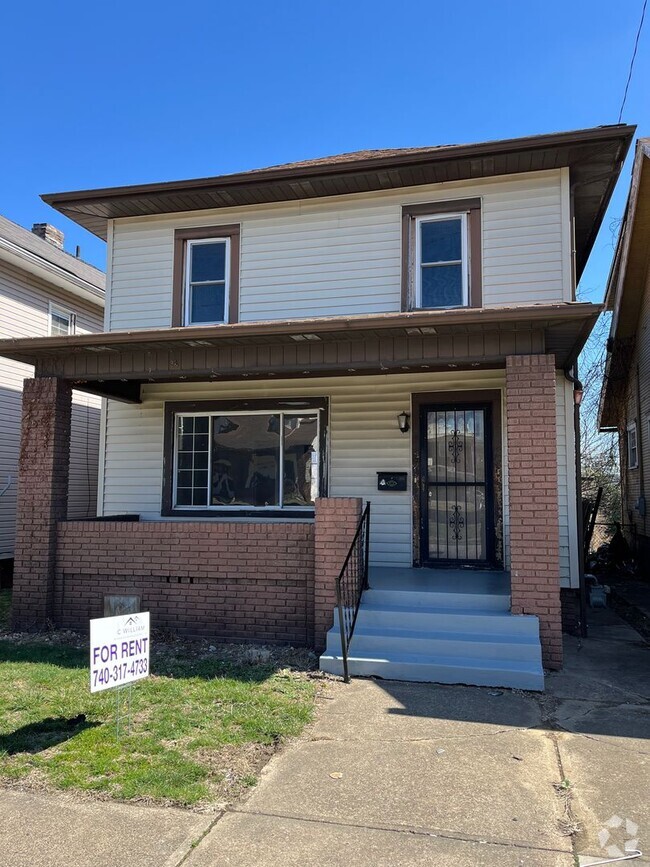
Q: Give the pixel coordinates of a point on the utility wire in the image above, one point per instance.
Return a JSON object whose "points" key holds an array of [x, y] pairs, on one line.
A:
{"points": [[636, 45]]}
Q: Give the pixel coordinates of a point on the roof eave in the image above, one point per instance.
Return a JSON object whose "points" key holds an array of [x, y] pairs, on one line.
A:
{"points": [[257, 176], [52, 273]]}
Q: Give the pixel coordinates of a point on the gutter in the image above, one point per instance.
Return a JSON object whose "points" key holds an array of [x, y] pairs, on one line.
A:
{"points": [[437, 321]]}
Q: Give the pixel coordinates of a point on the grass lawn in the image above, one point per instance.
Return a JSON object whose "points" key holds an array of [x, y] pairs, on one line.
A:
{"points": [[202, 724]]}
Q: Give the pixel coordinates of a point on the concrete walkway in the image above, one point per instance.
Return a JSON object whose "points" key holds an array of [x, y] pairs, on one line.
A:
{"points": [[405, 774]]}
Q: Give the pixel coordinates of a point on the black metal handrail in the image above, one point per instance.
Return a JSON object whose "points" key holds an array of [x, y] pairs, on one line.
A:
{"points": [[352, 581]]}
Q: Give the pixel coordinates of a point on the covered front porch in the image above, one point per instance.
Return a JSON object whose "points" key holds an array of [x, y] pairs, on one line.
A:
{"points": [[235, 566]]}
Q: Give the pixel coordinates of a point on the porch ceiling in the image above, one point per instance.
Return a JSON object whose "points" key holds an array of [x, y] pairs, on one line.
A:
{"points": [[115, 364]]}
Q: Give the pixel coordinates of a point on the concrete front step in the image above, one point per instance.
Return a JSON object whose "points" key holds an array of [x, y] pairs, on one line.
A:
{"points": [[415, 667], [437, 645], [415, 636], [444, 600], [434, 619]]}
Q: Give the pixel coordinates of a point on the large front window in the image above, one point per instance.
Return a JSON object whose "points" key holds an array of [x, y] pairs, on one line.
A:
{"points": [[244, 460]]}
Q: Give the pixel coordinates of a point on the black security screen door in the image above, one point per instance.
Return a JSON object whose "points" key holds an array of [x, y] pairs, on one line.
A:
{"points": [[457, 502]]}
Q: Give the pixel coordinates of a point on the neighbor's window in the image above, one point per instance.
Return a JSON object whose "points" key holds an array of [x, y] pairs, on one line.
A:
{"points": [[632, 447], [441, 256], [62, 322], [243, 460]]}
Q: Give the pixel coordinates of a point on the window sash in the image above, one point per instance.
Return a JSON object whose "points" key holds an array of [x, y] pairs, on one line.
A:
{"points": [[632, 447], [463, 261], [58, 313], [189, 283], [313, 413]]}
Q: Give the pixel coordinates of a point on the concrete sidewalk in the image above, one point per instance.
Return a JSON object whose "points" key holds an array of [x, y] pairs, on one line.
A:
{"points": [[39, 830], [408, 774], [404, 774]]}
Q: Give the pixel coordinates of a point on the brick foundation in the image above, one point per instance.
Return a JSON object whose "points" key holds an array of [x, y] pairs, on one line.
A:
{"points": [[227, 581], [336, 523], [42, 497], [532, 481]]}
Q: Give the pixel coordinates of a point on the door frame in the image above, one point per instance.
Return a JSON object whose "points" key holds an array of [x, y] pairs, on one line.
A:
{"points": [[491, 400]]}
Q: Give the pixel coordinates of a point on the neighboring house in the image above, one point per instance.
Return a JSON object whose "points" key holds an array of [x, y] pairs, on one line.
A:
{"points": [[397, 327], [625, 397], [45, 291]]}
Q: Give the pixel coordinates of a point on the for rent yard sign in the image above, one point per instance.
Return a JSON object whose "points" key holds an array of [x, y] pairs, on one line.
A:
{"points": [[119, 650]]}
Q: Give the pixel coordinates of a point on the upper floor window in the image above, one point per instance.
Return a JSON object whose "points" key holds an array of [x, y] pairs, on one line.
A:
{"points": [[441, 262], [632, 447], [206, 276], [206, 282], [62, 322], [441, 257]]}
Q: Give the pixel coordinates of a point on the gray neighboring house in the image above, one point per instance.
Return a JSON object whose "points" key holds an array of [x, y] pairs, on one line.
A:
{"points": [[45, 291]]}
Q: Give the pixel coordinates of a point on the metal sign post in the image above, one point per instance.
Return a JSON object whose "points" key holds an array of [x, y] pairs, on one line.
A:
{"points": [[123, 709], [119, 656]]}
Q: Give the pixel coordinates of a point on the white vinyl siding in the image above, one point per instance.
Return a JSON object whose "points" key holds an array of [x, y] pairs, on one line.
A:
{"points": [[342, 255], [24, 312], [364, 438]]}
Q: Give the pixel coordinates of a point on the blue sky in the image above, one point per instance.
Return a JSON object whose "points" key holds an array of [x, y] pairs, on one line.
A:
{"points": [[105, 94]]}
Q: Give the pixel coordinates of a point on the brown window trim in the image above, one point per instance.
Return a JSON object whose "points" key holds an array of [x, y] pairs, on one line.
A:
{"points": [[180, 237], [292, 404], [409, 213]]}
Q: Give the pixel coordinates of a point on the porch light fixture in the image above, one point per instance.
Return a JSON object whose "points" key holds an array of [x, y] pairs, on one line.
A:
{"points": [[403, 420], [577, 393]]}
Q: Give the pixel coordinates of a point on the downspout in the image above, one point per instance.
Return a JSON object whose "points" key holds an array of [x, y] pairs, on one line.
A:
{"points": [[582, 587], [640, 505]]}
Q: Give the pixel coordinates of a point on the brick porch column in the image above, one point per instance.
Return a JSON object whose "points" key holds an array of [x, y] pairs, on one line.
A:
{"points": [[336, 523], [42, 497], [533, 488]]}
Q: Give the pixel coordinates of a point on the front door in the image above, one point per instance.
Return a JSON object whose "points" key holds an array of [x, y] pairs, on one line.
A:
{"points": [[457, 502]]}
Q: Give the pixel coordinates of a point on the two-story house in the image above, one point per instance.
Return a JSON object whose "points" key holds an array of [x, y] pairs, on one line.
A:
{"points": [[625, 396], [283, 345], [45, 291]]}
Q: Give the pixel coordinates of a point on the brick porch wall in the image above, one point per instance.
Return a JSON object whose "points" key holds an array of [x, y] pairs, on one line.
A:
{"points": [[232, 581], [533, 490], [42, 497], [336, 523]]}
